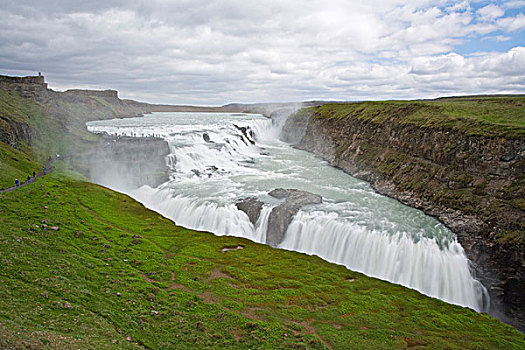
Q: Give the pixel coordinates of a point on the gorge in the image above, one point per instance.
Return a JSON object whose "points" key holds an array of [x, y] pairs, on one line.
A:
{"points": [[217, 160]]}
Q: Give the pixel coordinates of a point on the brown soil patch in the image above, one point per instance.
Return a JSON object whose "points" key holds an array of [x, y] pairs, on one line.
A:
{"points": [[237, 334], [410, 342], [178, 286], [327, 344], [307, 325], [171, 286], [249, 312], [217, 273], [147, 279], [169, 255], [208, 298]]}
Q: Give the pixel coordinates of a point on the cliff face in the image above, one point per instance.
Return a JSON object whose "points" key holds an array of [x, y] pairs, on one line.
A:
{"points": [[89, 105], [109, 94], [73, 106], [12, 132], [32, 87], [473, 183]]}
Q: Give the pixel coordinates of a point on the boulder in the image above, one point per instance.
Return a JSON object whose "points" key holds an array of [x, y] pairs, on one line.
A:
{"points": [[247, 134], [252, 207], [282, 215]]}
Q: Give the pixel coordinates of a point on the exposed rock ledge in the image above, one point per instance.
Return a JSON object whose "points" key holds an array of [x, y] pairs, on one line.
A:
{"points": [[282, 215]]}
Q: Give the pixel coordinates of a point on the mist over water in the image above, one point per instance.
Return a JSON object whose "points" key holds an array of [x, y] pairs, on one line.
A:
{"points": [[214, 163]]}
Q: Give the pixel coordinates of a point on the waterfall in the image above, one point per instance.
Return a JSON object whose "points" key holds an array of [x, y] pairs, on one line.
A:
{"points": [[218, 159], [422, 265]]}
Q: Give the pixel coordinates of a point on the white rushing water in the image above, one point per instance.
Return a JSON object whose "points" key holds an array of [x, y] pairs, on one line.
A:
{"points": [[213, 165]]}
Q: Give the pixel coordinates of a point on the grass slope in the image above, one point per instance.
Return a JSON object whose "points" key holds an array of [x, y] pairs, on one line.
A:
{"points": [[37, 136], [57, 126], [21, 161], [15, 164], [488, 116], [96, 284]]}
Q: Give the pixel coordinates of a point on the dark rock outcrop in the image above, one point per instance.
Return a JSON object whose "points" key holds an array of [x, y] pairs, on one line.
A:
{"points": [[12, 132], [282, 215], [471, 183], [28, 87], [109, 94], [247, 134], [252, 207]]}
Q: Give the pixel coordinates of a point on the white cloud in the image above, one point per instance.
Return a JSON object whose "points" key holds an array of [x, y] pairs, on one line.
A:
{"points": [[498, 38], [495, 72], [213, 52], [490, 12], [514, 4], [511, 24]]}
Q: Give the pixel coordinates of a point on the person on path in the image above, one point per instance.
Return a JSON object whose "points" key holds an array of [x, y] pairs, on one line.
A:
{"points": [[34, 174], [16, 182], [44, 170], [28, 178]]}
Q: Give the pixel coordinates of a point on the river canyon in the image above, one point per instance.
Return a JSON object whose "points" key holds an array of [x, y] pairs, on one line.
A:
{"points": [[218, 160]]}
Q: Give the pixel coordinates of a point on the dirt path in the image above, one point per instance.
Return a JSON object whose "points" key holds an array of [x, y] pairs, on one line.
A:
{"points": [[48, 169]]}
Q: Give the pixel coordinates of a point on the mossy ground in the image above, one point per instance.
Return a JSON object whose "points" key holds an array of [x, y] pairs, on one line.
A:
{"points": [[489, 116], [15, 164], [95, 284]]}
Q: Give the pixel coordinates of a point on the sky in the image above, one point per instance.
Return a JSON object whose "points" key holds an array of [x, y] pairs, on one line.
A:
{"points": [[214, 52]]}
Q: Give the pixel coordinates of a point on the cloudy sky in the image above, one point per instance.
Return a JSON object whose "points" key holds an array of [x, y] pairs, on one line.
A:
{"points": [[212, 52]]}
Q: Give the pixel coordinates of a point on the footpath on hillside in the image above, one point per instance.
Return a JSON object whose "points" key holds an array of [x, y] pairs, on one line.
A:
{"points": [[45, 170]]}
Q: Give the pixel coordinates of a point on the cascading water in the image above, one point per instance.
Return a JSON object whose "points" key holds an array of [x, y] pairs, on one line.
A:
{"points": [[219, 158]]}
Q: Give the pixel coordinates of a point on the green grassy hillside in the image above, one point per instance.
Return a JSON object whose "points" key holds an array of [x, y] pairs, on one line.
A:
{"points": [[15, 164], [20, 152], [116, 275], [30, 133], [489, 116]]}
